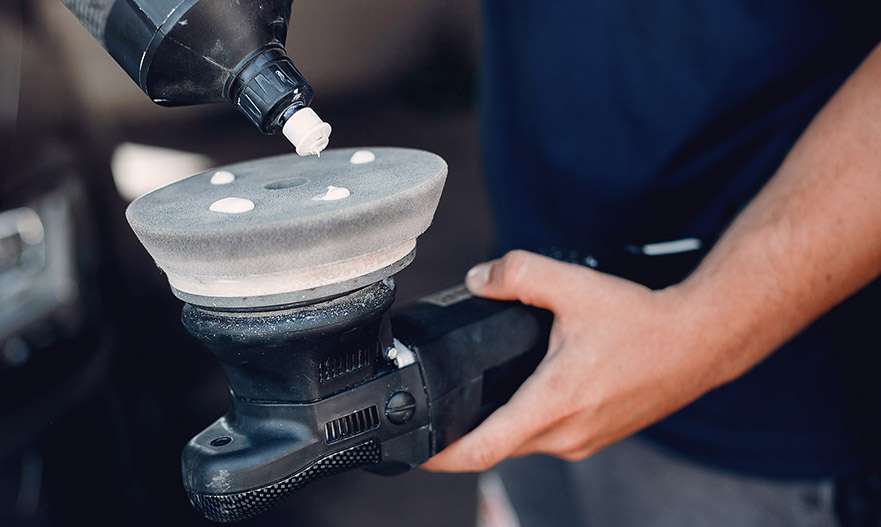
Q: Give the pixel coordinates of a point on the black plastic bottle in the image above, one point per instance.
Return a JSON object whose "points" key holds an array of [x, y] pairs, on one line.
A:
{"points": [[187, 52]]}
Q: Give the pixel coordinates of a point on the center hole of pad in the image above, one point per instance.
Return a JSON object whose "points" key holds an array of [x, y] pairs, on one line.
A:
{"points": [[286, 183]]}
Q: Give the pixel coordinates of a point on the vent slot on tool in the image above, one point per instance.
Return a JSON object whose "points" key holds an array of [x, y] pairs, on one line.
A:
{"points": [[351, 425], [342, 363]]}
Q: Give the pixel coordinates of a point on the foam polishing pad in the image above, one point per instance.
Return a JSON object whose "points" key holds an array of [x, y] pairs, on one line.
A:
{"points": [[287, 229]]}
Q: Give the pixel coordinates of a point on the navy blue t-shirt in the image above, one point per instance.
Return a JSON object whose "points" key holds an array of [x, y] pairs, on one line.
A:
{"points": [[616, 122]]}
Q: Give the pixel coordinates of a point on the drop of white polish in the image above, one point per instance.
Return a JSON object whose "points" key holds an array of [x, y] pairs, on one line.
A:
{"points": [[232, 206], [362, 157], [333, 194], [222, 177]]}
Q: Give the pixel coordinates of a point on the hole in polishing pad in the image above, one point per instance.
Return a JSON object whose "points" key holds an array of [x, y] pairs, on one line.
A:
{"points": [[232, 206], [286, 183]]}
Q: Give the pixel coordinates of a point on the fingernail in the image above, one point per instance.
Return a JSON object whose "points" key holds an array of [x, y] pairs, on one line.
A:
{"points": [[477, 277]]}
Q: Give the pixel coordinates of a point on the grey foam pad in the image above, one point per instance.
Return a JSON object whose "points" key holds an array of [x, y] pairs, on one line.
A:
{"points": [[393, 200]]}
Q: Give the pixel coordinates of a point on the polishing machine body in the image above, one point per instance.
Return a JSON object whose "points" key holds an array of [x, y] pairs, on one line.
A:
{"points": [[343, 384], [293, 295]]}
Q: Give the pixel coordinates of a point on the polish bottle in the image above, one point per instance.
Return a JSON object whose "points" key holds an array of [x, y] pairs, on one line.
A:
{"points": [[188, 52]]}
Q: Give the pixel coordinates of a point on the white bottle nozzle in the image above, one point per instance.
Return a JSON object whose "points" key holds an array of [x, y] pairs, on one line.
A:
{"points": [[307, 132]]}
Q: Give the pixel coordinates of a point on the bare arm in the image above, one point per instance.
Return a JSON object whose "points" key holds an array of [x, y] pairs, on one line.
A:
{"points": [[622, 357], [810, 239]]}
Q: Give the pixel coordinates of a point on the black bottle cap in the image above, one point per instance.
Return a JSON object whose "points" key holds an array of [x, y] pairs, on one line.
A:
{"points": [[269, 89]]}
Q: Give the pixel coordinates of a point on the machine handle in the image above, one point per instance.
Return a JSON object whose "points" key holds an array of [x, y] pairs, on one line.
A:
{"points": [[474, 353]]}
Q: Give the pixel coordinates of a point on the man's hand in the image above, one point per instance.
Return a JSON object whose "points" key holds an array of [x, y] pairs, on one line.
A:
{"points": [[620, 358]]}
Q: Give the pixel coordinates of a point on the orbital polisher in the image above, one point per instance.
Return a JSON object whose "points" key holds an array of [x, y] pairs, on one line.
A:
{"points": [[285, 266]]}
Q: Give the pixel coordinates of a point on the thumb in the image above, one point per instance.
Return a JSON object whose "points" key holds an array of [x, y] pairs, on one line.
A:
{"points": [[520, 275]]}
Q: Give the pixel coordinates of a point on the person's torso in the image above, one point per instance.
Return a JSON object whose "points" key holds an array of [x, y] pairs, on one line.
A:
{"points": [[608, 124]]}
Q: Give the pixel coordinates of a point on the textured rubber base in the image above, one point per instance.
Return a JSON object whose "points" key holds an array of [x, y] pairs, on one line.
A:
{"points": [[227, 508]]}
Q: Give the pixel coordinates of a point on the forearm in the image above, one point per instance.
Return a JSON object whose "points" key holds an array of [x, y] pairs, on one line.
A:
{"points": [[811, 238]]}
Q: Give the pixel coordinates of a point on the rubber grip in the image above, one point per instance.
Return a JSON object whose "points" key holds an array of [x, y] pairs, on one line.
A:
{"points": [[226, 508]]}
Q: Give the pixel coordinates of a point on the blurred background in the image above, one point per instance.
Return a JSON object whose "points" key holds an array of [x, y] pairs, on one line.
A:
{"points": [[99, 386]]}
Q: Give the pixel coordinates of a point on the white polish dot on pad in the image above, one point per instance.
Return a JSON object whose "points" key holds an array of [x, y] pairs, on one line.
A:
{"points": [[362, 157], [232, 206], [222, 177], [333, 194]]}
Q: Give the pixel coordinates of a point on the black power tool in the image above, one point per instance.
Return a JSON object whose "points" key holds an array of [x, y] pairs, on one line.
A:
{"points": [[285, 265], [337, 385]]}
